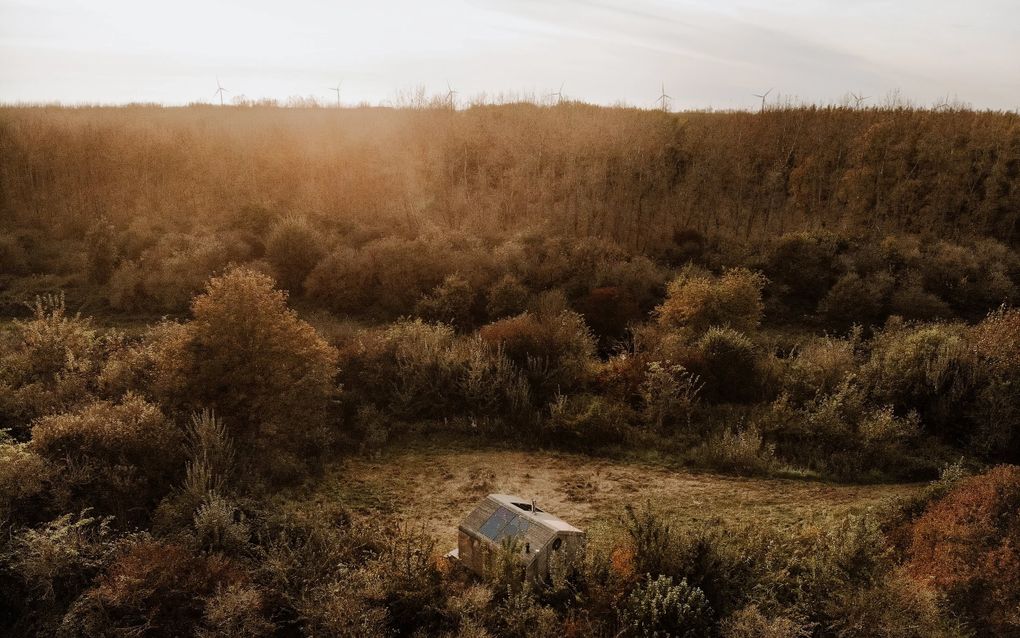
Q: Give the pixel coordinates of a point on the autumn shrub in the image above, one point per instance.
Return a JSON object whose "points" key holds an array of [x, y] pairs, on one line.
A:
{"points": [[168, 275], [555, 350], [505, 298], [972, 279], [752, 622], [730, 366], [55, 562], [452, 302], [159, 587], [819, 366], [660, 607], [802, 266], [849, 436], [928, 368], [294, 247], [265, 371], [24, 478], [114, 456], [669, 394], [965, 547], [49, 365], [586, 420], [609, 310], [742, 451], [856, 300], [996, 412], [698, 300]]}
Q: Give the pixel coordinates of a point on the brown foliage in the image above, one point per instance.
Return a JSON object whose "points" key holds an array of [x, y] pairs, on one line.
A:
{"points": [[966, 545]]}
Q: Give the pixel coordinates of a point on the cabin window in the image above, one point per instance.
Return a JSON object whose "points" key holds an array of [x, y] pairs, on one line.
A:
{"points": [[526, 507]]}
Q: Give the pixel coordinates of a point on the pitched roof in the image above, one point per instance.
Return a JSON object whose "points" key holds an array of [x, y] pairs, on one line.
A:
{"points": [[499, 516]]}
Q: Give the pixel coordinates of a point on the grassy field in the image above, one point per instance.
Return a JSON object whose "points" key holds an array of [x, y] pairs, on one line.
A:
{"points": [[436, 486]]}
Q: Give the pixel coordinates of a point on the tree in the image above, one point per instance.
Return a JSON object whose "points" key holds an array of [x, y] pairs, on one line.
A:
{"points": [[246, 354]]}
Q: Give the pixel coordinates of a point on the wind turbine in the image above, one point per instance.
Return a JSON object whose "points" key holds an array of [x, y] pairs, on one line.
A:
{"points": [[762, 96], [336, 89], [558, 94], [664, 99], [859, 99], [220, 91], [451, 95]]}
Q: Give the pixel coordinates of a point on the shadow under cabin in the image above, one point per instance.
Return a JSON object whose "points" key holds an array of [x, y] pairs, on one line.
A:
{"points": [[541, 538]]}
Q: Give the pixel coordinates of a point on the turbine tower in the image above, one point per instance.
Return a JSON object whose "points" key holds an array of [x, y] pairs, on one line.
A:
{"points": [[558, 94], [336, 89], [220, 91], [451, 96], [762, 96], [664, 99], [859, 99]]}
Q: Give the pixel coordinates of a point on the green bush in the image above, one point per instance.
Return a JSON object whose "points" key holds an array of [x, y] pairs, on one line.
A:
{"points": [[586, 420], [669, 394], [659, 608], [505, 298], [452, 302]]}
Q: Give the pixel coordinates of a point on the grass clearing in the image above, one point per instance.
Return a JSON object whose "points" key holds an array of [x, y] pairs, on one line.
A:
{"points": [[436, 486]]}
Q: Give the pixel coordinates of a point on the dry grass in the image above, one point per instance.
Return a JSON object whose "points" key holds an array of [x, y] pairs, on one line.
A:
{"points": [[437, 486]]}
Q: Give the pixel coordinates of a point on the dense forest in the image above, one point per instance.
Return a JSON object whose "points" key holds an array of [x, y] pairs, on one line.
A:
{"points": [[202, 308]]}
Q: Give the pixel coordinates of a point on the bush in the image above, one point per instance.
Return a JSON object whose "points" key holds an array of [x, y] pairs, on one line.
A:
{"points": [[51, 364], [741, 451], [697, 300], [750, 622], [965, 547], [930, 369], [246, 354], [451, 302], [819, 367], [294, 248], [729, 365], [658, 607], [856, 300], [153, 586], [996, 412], [555, 350], [669, 394], [505, 298], [115, 456], [802, 266], [13, 258], [587, 420], [24, 476], [609, 311]]}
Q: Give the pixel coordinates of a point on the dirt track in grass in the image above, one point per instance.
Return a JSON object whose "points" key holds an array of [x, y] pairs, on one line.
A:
{"points": [[437, 487]]}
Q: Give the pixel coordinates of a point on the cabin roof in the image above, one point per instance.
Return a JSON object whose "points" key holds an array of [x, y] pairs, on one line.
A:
{"points": [[498, 516]]}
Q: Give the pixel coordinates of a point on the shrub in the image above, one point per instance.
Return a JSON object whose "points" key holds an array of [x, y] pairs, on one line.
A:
{"points": [[729, 366], [802, 266], [819, 367], [658, 607], [294, 248], [930, 369], [965, 546], [51, 364], [697, 300], [24, 475], [13, 258], [670, 395], [156, 586], [556, 351], [853, 299], [587, 420], [609, 311], [741, 451], [997, 404], [246, 354], [112, 455], [451, 302], [750, 622], [505, 298]]}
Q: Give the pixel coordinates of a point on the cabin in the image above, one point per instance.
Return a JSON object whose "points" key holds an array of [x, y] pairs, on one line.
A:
{"points": [[539, 535]]}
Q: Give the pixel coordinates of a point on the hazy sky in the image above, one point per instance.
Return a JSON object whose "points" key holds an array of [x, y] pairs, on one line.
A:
{"points": [[708, 54]]}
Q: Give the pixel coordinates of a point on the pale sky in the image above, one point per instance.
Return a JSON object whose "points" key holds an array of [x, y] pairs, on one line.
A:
{"points": [[708, 54]]}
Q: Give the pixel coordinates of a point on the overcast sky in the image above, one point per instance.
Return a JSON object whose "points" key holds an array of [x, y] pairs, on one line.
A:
{"points": [[707, 53]]}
